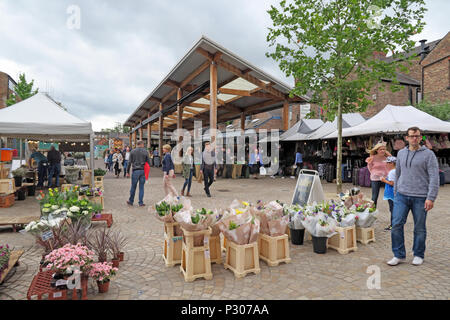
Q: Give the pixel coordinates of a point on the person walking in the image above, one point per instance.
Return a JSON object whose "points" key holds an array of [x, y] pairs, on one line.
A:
{"points": [[168, 171], [42, 165], [416, 188], [389, 186], [117, 160], [208, 167], [298, 162], [138, 158], [255, 163], [106, 155], [54, 160], [188, 171], [110, 160], [377, 168], [126, 160]]}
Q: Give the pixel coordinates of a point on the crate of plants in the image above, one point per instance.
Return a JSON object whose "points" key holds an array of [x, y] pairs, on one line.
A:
{"points": [[241, 231], [344, 241], [5, 254], [295, 226], [273, 242]]}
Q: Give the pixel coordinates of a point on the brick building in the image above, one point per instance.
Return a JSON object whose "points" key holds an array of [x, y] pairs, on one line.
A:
{"points": [[7, 85]]}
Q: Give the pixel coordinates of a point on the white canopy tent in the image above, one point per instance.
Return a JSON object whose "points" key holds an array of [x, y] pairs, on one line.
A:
{"points": [[348, 120], [41, 118], [301, 129], [395, 120]]}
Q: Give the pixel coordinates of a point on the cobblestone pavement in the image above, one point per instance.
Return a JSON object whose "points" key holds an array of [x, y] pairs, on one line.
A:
{"points": [[143, 274]]}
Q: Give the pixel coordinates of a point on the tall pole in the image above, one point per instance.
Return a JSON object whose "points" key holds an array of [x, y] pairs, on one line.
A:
{"points": [[149, 133], [161, 132], [91, 153], [213, 100], [285, 116]]}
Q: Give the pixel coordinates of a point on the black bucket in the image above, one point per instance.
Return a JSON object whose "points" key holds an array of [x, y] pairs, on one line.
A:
{"points": [[319, 244], [31, 191], [18, 181], [21, 194], [297, 236]]}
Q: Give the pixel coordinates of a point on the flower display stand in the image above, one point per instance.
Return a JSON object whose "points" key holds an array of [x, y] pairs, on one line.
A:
{"points": [[274, 250], [86, 176], [307, 235], [365, 235], [7, 186], [172, 245], [215, 249], [66, 185], [195, 260], [41, 285], [344, 241], [98, 182], [242, 259], [13, 261], [96, 199], [104, 217], [223, 242]]}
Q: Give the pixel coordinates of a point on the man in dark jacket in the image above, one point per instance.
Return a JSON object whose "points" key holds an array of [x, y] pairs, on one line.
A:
{"points": [[54, 160], [208, 167], [138, 158]]}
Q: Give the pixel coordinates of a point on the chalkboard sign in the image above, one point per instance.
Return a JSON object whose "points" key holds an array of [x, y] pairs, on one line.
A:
{"points": [[308, 188]]}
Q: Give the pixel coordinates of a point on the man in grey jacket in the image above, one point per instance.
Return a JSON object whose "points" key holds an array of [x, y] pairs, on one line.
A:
{"points": [[415, 188], [138, 158]]}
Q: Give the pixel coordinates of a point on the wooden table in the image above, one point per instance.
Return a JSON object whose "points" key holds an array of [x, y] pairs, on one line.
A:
{"points": [[16, 221], [104, 217], [13, 261]]}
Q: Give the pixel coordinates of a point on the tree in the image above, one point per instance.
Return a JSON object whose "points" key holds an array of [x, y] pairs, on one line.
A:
{"points": [[117, 128], [329, 45], [439, 110], [23, 90]]}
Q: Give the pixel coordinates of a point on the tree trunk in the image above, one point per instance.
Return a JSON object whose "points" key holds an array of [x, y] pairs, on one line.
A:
{"points": [[339, 150]]}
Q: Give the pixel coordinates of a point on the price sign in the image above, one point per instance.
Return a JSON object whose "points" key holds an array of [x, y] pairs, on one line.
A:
{"points": [[47, 235], [308, 188]]}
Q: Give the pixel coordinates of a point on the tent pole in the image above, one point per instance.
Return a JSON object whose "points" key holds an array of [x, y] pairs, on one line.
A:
{"points": [[91, 153]]}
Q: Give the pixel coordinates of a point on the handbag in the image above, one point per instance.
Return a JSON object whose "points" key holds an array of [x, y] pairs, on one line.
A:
{"points": [[262, 171]]}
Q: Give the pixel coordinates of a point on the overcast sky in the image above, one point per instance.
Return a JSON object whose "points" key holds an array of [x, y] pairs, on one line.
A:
{"points": [[123, 49]]}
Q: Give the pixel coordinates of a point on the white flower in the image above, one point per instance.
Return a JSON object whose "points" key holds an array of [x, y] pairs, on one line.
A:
{"points": [[70, 214], [74, 209], [54, 207], [46, 210], [85, 212]]}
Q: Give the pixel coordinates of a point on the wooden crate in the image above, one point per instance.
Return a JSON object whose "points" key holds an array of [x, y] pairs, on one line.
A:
{"points": [[344, 241], [365, 235], [4, 172], [215, 249], [97, 199], [98, 178], [13, 261], [274, 250], [195, 260], [98, 184], [86, 176], [308, 235], [7, 201], [242, 259], [66, 185], [223, 242], [172, 245], [7, 186], [178, 168]]}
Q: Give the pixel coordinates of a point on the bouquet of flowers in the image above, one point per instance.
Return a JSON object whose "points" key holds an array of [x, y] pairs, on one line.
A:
{"points": [[166, 209], [367, 214], [102, 271], [240, 228], [338, 211], [318, 220], [273, 219], [296, 217], [195, 220], [63, 260]]}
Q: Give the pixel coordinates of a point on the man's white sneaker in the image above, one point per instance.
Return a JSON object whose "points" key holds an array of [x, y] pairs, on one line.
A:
{"points": [[395, 261], [417, 261]]}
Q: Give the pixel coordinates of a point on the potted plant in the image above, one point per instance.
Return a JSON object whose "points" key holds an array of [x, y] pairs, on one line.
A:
{"points": [[117, 241], [99, 241], [63, 260], [71, 176], [296, 228], [102, 273], [97, 209], [99, 172], [18, 175], [5, 253]]}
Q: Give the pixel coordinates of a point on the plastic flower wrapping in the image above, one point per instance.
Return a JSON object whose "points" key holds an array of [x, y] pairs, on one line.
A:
{"points": [[272, 216], [167, 208], [296, 216]]}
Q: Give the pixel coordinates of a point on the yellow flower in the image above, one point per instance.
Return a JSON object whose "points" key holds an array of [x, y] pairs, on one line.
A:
{"points": [[56, 189], [239, 211], [50, 189], [245, 203]]}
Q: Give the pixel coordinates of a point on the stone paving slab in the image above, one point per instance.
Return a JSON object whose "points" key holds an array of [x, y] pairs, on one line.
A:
{"points": [[144, 276]]}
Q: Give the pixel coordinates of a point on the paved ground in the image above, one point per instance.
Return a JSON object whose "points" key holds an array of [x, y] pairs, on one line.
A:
{"points": [[143, 274]]}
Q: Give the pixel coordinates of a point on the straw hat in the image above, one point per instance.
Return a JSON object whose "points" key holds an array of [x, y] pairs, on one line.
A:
{"points": [[376, 147]]}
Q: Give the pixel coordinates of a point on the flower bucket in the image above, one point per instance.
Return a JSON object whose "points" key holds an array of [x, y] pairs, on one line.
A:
{"points": [[115, 262], [18, 181], [103, 287], [121, 256], [31, 191], [319, 244], [297, 236]]}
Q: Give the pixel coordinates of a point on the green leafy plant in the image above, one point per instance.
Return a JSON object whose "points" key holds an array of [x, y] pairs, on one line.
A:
{"points": [[163, 208], [99, 172], [195, 219], [19, 172], [23, 90], [232, 225]]}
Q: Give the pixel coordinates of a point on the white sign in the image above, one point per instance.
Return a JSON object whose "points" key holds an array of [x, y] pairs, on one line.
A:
{"points": [[308, 188]]}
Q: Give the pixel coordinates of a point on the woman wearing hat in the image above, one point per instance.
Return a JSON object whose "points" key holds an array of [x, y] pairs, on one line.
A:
{"points": [[377, 168]]}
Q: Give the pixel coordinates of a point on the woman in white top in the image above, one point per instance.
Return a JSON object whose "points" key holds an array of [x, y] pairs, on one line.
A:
{"points": [[126, 170], [117, 160]]}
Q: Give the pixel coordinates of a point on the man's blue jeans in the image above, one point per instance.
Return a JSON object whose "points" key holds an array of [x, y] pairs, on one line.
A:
{"points": [[402, 205], [54, 170], [137, 176]]}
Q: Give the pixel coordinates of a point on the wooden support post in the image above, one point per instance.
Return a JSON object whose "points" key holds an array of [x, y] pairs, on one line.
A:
{"points": [[149, 133], [161, 130], [243, 122], [141, 137], [285, 115], [180, 114], [213, 99]]}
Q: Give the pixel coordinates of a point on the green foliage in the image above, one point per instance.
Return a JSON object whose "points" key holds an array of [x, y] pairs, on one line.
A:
{"points": [[117, 128], [23, 90], [99, 172], [439, 110], [328, 47]]}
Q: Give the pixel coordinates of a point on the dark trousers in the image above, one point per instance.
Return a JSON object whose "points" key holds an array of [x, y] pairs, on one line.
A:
{"points": [[137, 176], [376, 185], [54, 170], [391, 207], [117, 168], [188, 181], [42, 174], [208, 178], [299, 167]]}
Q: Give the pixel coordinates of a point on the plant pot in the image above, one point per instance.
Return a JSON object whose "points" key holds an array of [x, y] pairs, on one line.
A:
{"points": [[319, 244], [115, 262], [98, 215], [297, 236], [31, 191], [103, 287], [18, 181], [21, 194], [121, 255]]}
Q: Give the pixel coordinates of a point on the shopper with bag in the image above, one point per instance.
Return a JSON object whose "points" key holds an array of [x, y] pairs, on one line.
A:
{"points": [[117, 160], [377, 168], [416, 188], [188, 171], [138, 158], [168, 171]]}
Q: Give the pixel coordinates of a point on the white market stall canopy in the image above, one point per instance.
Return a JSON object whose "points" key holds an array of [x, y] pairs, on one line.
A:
{"points": [[348, 120], [394, 120], [39, 117], [304, 128]]}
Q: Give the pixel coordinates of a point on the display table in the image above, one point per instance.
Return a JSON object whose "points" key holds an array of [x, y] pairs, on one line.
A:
{"points": [[13, 261], [16, 221], [104, 217]]}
